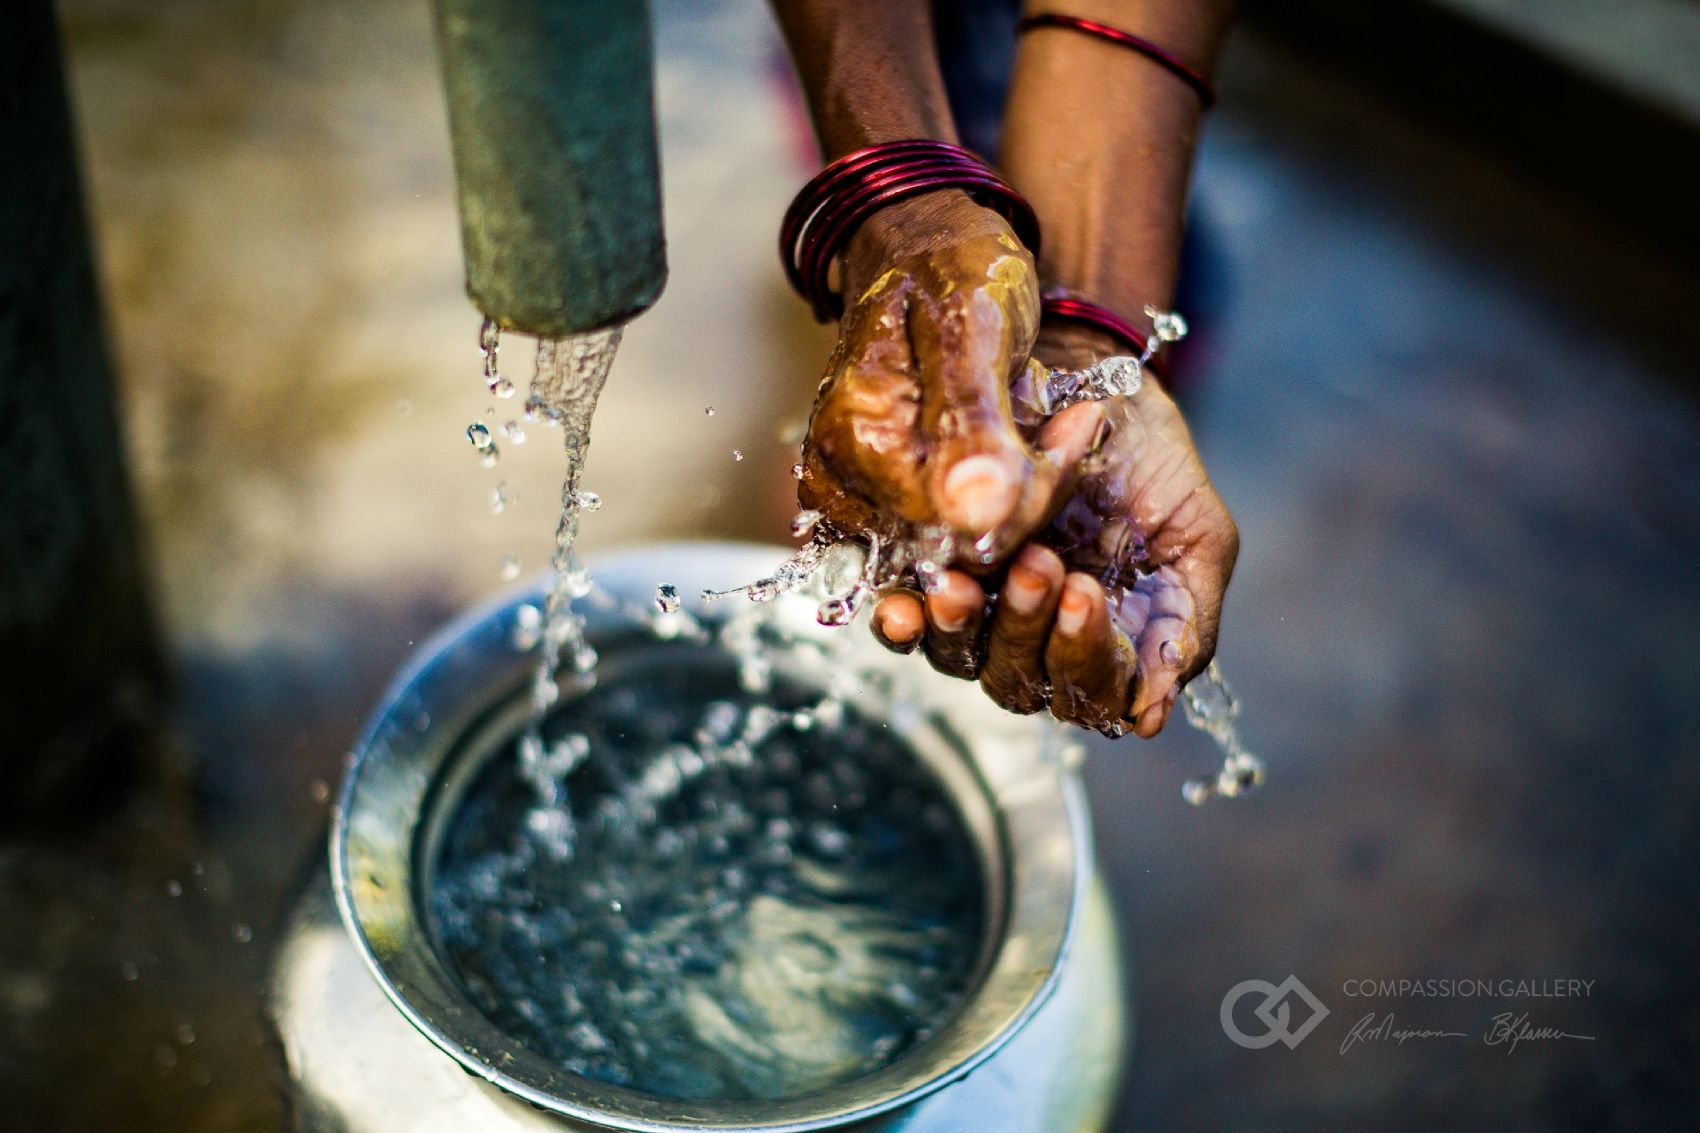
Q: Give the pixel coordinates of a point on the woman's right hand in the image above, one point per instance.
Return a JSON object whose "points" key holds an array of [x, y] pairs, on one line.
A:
{"points": [[912, 426]]}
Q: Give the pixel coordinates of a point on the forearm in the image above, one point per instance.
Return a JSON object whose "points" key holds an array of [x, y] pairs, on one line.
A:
{"points": [[869, 69], [1100, 140]]}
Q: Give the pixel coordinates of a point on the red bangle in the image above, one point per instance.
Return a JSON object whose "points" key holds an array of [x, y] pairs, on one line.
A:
{"points": [[831, 207], [1165, 59], [1058, 305]]}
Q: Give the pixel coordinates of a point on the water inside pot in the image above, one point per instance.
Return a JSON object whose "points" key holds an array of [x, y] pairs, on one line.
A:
{"points": [[728, 899]]}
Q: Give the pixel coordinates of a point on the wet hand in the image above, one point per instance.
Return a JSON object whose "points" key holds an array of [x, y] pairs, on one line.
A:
{"points": [[913, 425], [1117, 604]]}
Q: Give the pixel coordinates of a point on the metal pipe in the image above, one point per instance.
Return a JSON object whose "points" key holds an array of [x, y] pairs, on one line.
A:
{"points": [[552, 122]]}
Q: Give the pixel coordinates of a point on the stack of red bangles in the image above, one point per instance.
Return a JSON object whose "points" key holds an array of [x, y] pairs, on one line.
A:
{"points": [[831, 207]]}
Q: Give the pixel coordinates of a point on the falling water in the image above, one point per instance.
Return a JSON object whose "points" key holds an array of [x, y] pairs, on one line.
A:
{"points": [[568, 381], [1212, 709]]}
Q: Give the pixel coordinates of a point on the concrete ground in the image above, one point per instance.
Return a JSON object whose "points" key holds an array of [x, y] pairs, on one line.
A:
{"points": [[1451, 409]]}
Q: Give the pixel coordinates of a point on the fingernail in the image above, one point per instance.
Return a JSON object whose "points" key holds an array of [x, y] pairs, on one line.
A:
{"points": [[948, 616], [1071, 614], [978, 492], [1074, 434], [1102, 435], [1170, 652], [896, 628], [1025, 590]]}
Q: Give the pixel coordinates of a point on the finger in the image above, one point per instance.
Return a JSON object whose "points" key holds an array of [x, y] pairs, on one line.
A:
{"points": [[865, 431], [1064, 443], [954, 615], [1090, 662], [969, 343], [899, 621], [1030, 397], [1014, 672], [1206, 569], [1159, 614]]}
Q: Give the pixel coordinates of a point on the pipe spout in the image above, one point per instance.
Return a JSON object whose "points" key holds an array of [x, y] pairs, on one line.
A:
{"points": [[552, 123]]}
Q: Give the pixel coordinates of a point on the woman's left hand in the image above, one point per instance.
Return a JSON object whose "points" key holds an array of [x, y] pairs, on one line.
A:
{"points": [[1107, 613]]}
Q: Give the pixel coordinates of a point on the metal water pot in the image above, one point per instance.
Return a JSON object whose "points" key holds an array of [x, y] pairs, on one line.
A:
{"points": [[380, 1035]]}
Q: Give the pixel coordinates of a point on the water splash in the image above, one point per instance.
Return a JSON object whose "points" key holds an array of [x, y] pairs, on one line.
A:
{"points": [[1213, 710], [749, 893]]}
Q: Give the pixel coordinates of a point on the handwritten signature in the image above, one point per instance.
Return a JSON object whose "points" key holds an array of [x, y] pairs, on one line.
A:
{"points": [[1383, 1029], [1508, 1030], [1505, 1030]]}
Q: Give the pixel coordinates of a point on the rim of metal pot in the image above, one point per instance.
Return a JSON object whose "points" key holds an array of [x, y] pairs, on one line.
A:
{"points": [[1042, 837]]}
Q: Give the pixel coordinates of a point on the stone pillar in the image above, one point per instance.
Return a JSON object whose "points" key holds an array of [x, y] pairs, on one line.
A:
{"points": [[82, 679]]}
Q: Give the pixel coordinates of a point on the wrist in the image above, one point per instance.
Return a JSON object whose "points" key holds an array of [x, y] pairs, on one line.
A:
{"points": [[1070, 346], [916, 227]]}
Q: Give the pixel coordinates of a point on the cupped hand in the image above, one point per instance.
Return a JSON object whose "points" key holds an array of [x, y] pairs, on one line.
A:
{"points": [[1107, 614], [913, 426]]}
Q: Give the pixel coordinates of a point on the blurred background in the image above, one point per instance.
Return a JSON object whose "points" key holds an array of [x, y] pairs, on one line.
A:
{"points": [[1448, 312]]}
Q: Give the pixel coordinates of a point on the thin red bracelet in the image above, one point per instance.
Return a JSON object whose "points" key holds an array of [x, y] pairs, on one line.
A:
{"points": [[1058, 305], [834, 204], [1164, 58]]}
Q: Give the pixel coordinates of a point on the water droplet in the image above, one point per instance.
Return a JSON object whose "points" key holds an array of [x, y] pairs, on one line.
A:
{"points": [[1198, 791], [667, 598], [514, 432], [798, 472], [174, 888], [762, 590], [1170, 652], [509, 569], [834, 612], [1168, 326], [803, 523], [488, 457], [501, 387], [185, 1033], [479, 434], [242, 934], [930, 576], [708, 411], [320, 790], [130, 971], [504, 495], [587, 501], [576, 583], [737, 454], [841, 569], [528, 627]]}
